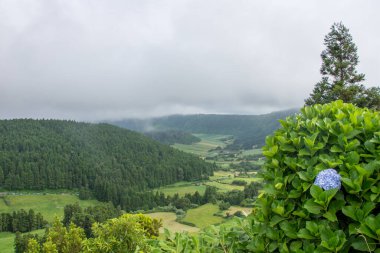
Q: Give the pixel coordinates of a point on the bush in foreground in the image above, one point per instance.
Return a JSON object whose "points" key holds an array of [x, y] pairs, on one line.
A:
{"points": [[294, 214]]}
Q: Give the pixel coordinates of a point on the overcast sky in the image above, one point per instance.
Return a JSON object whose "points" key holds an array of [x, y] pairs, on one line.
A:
{"points": [[109, 59]]}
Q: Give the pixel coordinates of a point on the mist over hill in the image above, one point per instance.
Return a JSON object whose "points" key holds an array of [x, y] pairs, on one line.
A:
{"points": [[248, 130]]}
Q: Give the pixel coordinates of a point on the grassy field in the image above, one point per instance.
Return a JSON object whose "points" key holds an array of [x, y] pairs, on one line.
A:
{"points": [[203, 216], [182, 188], [224, 187], [255, 151], [221, 180], [208, 142], [49, 205], [169, 222], [7, 240]]}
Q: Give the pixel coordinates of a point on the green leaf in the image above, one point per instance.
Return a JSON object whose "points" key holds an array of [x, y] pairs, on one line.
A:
{"points": [[312, 207], [271, 151], [353, 157], [336, 149], [316, 191], [289, 229], [305, 234], [275, 220], [362, 243]]}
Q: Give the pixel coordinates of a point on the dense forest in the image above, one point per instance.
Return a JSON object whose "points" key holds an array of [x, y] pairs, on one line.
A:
{"points": [[248, 130], [109, 162]]}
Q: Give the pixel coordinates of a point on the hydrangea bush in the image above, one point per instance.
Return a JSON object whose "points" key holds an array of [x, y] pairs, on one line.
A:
{"points": [[322, 189]]}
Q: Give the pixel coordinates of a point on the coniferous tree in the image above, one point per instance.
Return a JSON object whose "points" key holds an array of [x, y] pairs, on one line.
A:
{"points": [[340, 79]]}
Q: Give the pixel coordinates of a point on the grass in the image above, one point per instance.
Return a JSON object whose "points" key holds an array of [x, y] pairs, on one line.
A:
{"points": [[221, 180], [169, 222], [256, 151], [246, 179], [7, 240], [225, 187], [182, 188], [203, 216], [208, 142], [49, 205]]}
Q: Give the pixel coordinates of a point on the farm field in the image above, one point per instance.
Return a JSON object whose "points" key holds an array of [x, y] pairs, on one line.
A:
{"points": [[182, 188], [203, 216], [169, 222], [224, 187], [49, 205], [208, 142], [221, 180]]}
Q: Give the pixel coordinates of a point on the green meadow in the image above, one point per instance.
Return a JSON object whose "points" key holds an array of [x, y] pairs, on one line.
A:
{"points": [[182, 188], [208, 142], [49, 205], [169, 222], [203, 216]]}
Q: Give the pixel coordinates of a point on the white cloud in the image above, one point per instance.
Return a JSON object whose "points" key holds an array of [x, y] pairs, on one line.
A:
{"points": [[101, 59]]}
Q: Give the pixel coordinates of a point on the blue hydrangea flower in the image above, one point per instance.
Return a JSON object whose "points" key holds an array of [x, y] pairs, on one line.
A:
{"points": [[328, 179]]}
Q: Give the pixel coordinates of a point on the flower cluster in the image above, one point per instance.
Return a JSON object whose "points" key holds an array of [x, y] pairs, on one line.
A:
{"points": [[328, 179]]}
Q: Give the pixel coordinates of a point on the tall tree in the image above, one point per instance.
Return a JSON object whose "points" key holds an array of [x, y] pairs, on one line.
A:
{"points": [[340, 79]]}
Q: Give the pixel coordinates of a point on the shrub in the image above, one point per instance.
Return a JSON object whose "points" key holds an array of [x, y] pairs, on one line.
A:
{"points": [[224, 205], [293, 214]]}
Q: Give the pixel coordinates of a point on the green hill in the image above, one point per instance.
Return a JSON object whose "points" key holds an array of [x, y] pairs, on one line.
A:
{"points": [[109, 162], [173, 136], [248, 130]]}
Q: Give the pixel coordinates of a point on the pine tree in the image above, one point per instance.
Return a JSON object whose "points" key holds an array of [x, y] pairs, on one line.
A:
{"points": [[340, 79]]}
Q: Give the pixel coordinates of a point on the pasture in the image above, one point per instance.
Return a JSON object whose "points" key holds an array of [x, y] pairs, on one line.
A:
{"points": [[208, 142], [203, 216], [49, 205], [182, 188], [7, 240], [169, 222]]}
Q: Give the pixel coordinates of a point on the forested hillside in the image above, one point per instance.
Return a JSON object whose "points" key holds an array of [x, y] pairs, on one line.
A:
{"points": [[173, 136], [106, 160], [248, 130]]}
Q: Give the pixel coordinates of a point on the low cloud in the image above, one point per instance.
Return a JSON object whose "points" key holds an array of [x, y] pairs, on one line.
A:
{"points": [[97, 60]]}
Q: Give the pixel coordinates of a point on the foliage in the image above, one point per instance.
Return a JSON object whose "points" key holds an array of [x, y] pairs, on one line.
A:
{"points": [[124, 234], [239, 182], [21, 242], [293, 214], [224, 205], [85, 218], [340, 79], [21, 221], [127, 233], [230, 237], [114, 164], [173, 136]]}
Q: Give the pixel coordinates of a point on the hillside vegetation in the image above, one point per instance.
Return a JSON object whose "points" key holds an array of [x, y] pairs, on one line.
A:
{"points": [[248, 130], [105, 161], [173, 136]]}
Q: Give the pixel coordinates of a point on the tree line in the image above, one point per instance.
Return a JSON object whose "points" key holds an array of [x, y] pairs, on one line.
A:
{"points": [[21, 221]]}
